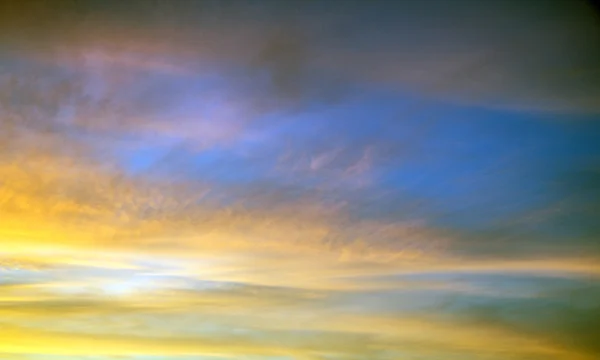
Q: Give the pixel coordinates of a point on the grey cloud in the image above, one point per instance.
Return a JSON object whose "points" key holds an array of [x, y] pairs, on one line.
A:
{"points": [[563, 223], [504, 53], [566, 312]]}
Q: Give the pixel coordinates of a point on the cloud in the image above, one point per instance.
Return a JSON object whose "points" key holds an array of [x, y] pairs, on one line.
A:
{"points": [[405, 336], [516, 63], [564, 312], [233, 305], [106, 117], [236, 179]]}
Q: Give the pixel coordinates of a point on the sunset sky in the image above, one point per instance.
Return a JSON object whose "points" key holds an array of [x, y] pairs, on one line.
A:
{"points": [[299, 180]]}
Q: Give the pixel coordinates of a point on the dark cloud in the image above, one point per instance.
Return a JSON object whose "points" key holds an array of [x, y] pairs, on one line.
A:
{"points": [[501, 53]]}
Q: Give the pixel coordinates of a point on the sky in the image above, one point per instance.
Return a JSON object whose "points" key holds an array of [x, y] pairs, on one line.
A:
{"points": [[299, 180]]}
